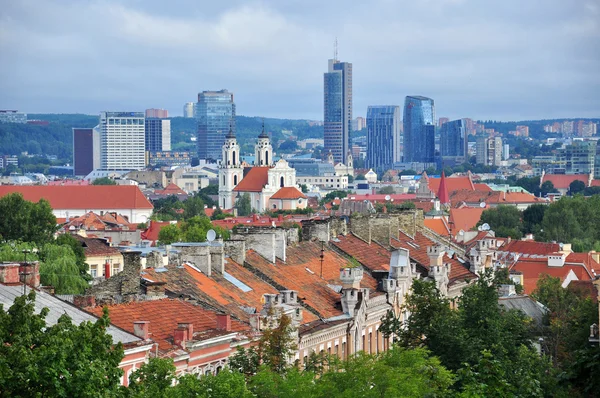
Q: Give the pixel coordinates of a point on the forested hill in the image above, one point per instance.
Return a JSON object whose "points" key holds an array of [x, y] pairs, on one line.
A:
{"points": [[57, 137]]}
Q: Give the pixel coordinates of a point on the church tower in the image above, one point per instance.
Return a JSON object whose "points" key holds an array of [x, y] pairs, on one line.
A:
{"points": [[263, 152], [230, 170], [350, 161]]}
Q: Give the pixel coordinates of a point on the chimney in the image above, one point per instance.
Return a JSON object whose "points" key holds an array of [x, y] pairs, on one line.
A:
{"points": [[84, 301], [189, 327], [9, 273], [180, 336], [436, 255], [30, 273], [224, 322], [106, 269], [141, 329]]}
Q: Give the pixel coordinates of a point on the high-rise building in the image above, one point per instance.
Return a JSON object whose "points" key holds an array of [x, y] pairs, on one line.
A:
{"points": [[454, 145], [158, 135], [159, 113], [359, 123], [215, 113], [442, 120], [337, 108], [122, 141], [489, 150], [580, 157], [419, 129], [383, 137], [10, 116], [86, 150], [189, 110]]}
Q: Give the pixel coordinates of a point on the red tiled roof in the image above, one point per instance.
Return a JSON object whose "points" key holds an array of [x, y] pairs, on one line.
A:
{"points": [[482, 187], [438, 225], [465, 218], [452, 184], [418, 252], [562, 181], [96, 247], [442, 192], [69, 182], [493, 197], [171, 189], [301, 272], [83, 197], [533, 269], [288, 193], [530, 247], [254, 181], [398, 197], [151, 233], [585, 259], [164, 315], [373, 256]]}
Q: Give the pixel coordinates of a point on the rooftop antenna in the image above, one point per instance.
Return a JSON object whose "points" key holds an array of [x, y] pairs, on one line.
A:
{"points": [[335, 50]]}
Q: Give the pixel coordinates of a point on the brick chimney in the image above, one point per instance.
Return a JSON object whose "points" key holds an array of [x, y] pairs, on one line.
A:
{"points": [[189, 327], [84, 301], [30, 271], [224, 322], [9, 273], [141, 329]]}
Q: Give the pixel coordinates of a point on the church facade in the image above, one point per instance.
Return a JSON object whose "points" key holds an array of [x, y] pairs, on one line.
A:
{"points": [[270, 186]]}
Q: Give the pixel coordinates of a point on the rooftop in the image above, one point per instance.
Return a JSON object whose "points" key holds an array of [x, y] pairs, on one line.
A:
{"points": [[255, 179]]}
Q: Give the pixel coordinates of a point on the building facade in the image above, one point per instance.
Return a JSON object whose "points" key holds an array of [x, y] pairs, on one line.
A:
{"points": [[189, 110], [489, 150], [454, 142], [383, 137], [10, 116], [122, 141], [419, 129], [337, 83], [159, 113], [158, 134], [86, 150], [169, 158], [215, 113]]}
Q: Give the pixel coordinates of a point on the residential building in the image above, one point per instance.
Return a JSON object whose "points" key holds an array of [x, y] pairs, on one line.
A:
{"points": [[453, 142], [10, 116], [359, 123], [586, 128], [104, 260], [157, 113], [580, 157], [215, 114], [158, 135], [169, 159], [86, 150], [505, 152], [419, 129], [189, 110], [262, 182], [489, 150], [111, 226], [383, 137], [73, 201], [562, 182], [522, 131], [337, 108], [122, 141], [9, 160]]}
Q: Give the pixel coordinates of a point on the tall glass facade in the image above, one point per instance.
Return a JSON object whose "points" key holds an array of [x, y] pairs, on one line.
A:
{"points": [[419, 129], [215, 112], [337, 113], [383, 137], [453, 141]]}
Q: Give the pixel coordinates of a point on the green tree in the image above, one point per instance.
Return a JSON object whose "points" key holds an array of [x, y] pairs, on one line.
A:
{"points": [[169, 234], [104, 181], [304, 188], [153, 379], [77, 248], [193, 206], [360, 177], [25, 221], [243, 205], [61, 360], [533, 217], [59, 269], [332, 195], [226, 384], [504, 220], [576, 187]]}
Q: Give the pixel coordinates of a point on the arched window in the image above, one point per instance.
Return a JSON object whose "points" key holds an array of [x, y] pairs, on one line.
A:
{"points": [[233, 158], [223, 180], [234, 180], [266, 158], [226, 158], [282, 182]]}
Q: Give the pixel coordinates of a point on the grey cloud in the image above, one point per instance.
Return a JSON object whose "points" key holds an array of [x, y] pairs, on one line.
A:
{"points": [[482, 59]]}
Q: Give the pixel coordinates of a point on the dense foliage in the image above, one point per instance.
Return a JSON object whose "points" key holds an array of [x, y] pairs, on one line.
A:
{"points": [[104, 181], [243, 205], [193, 229], [26, 221]]}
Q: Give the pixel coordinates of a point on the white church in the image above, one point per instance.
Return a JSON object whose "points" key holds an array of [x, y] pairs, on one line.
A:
{"points": [[271, 186]]}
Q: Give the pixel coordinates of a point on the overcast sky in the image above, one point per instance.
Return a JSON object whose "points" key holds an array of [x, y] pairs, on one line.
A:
{"points": [[485, 59]]}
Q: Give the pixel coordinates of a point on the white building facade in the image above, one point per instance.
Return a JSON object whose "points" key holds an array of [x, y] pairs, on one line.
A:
{"points": [[122, 141]]}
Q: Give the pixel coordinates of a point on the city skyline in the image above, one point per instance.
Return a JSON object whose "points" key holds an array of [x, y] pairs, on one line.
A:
{"points": [[492, 60]]}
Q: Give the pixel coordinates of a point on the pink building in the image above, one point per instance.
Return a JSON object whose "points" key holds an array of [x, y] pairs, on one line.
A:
{"points": [[159, 113]]}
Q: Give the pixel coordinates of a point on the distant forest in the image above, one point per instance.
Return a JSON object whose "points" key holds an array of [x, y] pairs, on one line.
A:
{"points": [[56, 139]]}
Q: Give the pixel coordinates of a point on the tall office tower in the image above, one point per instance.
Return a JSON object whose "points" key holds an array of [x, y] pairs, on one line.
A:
{"points": [[495, 149], [481, 153], [189, 110], [158, 135], [215, 113], [86, 150], [337, 115], [580, 157], [383, 137], [419, 129], [454, 145], [489, 150], [122, 141], [159, 113]]}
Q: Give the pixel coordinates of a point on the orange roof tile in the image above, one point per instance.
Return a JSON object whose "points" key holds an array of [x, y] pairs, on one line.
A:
{"points": [[164, 315], [482, 187], [171, 189], [493, 197], [438, 225], [96, 247], [465, 218], [562, 181], [254, 180], [532, 270], [530, 247], [83, 197], [373, 256], [452, 184], [288, 193], [151, 233]]}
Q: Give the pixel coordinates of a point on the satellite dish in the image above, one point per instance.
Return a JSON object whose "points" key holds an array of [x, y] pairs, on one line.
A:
{"points": [[211, 235], [461, 232], [387, 197], [482, 205], [485, 227]]}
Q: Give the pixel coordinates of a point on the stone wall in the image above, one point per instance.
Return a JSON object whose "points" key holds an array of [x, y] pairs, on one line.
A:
{"points": [[360, 226], [318, 230], [150, 178], [154, 259], [236, 250], [410, 220], [262, 243]]}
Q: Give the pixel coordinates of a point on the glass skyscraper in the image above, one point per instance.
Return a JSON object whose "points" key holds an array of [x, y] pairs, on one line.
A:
{"points": [[453, 142], [215, 112], [158, 135], [337, 115], [419, 129], [383, 137]]}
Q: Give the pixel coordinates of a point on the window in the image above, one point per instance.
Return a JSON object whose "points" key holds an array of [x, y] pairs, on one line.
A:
{"points": [[115, 269], [267, 158], [94, 270], [282, 182], [234, 180]]}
